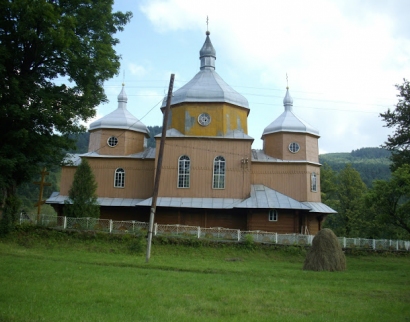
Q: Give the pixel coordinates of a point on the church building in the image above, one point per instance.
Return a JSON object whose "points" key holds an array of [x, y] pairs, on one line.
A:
{"points": [[210, 175]]}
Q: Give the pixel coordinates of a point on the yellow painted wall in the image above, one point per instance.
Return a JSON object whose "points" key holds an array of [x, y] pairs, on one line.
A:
{"points": [[224, 118]]}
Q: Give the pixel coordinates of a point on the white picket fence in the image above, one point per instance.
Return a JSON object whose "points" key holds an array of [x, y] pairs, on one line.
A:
{"points": [[214, 233]]}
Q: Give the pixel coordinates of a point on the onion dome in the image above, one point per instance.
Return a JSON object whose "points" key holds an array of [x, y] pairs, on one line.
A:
{"points": [[121, 118], [207, 86], [288, 121]]}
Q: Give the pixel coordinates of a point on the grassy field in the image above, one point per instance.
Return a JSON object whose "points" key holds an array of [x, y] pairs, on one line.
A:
{"points": [[53, 276]]}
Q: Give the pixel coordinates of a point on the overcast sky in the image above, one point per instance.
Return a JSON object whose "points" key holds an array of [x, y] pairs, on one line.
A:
{"points": [[342, 59]]}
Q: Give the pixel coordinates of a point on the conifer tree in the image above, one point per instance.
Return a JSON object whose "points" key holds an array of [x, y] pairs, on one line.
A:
{"points": [[82, 200], [399, 120]]}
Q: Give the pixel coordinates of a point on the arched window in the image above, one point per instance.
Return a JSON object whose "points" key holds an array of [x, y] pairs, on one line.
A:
{"points": [[119, 178], [273, 215], [313, 182], [219, 173], [184, 169]]}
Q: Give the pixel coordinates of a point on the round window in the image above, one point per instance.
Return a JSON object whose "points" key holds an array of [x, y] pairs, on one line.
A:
{"points": [[204, 119], [112, 141], [294, 147]]}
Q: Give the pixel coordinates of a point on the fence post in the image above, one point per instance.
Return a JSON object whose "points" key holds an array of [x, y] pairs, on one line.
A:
{"points": [[276, 238], [199, 232], [374, 244], [155, 229], [65, 222], [110, 226], [239, 235], [344, 242], [397, 245]]}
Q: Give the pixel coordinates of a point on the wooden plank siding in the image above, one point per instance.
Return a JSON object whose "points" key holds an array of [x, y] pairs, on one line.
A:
{"points": [[202, 153], [259, 220], [125, 213], [277, 145], [129, 142], [139, 177], [206, 218], [291, 179]]}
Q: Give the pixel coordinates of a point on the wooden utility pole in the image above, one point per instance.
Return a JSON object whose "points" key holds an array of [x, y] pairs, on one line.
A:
{"points": [[42, 184], [159, 166]]}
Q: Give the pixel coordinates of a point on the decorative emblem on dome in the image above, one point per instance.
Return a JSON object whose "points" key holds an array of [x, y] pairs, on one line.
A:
{"points": [[204, 119]]}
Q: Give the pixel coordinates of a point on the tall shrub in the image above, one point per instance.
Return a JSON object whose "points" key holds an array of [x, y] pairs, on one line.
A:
{"points": [[82, 198]]}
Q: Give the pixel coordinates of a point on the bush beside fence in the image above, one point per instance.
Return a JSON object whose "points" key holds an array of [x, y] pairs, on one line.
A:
{"points": [[215, 233]]}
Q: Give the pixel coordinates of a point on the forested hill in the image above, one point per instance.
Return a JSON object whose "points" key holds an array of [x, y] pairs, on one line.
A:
{"points": [[371, 163]]}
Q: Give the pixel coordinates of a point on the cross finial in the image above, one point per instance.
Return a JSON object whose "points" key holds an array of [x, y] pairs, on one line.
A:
{"points": [[207, 22], [287, 81], [123, 77]]}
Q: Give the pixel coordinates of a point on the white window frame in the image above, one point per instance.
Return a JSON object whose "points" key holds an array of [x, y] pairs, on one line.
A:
{"points": [[184, 171], [119, 178], [294, 147], [112, 141], [273, 215], [219, 173], [313, 182]]}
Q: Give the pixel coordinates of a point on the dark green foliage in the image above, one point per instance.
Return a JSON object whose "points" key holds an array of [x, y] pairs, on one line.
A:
{"points": [[30, 236], [371, 163], [81, 142], [389, 202], [28, 192], [54, 59], [344, 192], [82, 200], [399, 120], [9, 214], [153, 130]]}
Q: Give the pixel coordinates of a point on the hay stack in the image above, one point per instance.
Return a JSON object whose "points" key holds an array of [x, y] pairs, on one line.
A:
{"points": [[326, 253]]}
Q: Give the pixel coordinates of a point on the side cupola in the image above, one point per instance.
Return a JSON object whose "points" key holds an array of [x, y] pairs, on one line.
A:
{"points": [[119, 132], [289, 137], [207, 105]]}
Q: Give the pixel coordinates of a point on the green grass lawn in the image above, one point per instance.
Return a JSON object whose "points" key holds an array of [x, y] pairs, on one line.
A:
{"points": [[64, 278]]}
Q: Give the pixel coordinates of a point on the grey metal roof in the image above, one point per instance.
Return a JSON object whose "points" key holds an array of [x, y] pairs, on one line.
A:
{"points": [[207, 85], [207, 203], [236, 134], [260, 156], [120, 118], [72, 159], [266, 198], [288, 121], [319, 207], [56, 198], [148, 153], [261, 197], [75, 159]]}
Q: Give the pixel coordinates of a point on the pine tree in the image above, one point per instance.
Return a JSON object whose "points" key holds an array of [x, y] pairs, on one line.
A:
{"points": [[399, 120], [82, 200]]}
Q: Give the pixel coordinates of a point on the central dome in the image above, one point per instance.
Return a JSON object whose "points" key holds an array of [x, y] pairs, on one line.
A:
{"points": [[207, 85]]}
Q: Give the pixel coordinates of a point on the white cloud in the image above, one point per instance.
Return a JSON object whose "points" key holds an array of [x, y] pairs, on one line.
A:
{"points": [[137, 70], [349, 51]]}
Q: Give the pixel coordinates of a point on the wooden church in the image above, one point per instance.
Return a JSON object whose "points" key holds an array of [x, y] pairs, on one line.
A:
{"points": [[210, 175]]}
